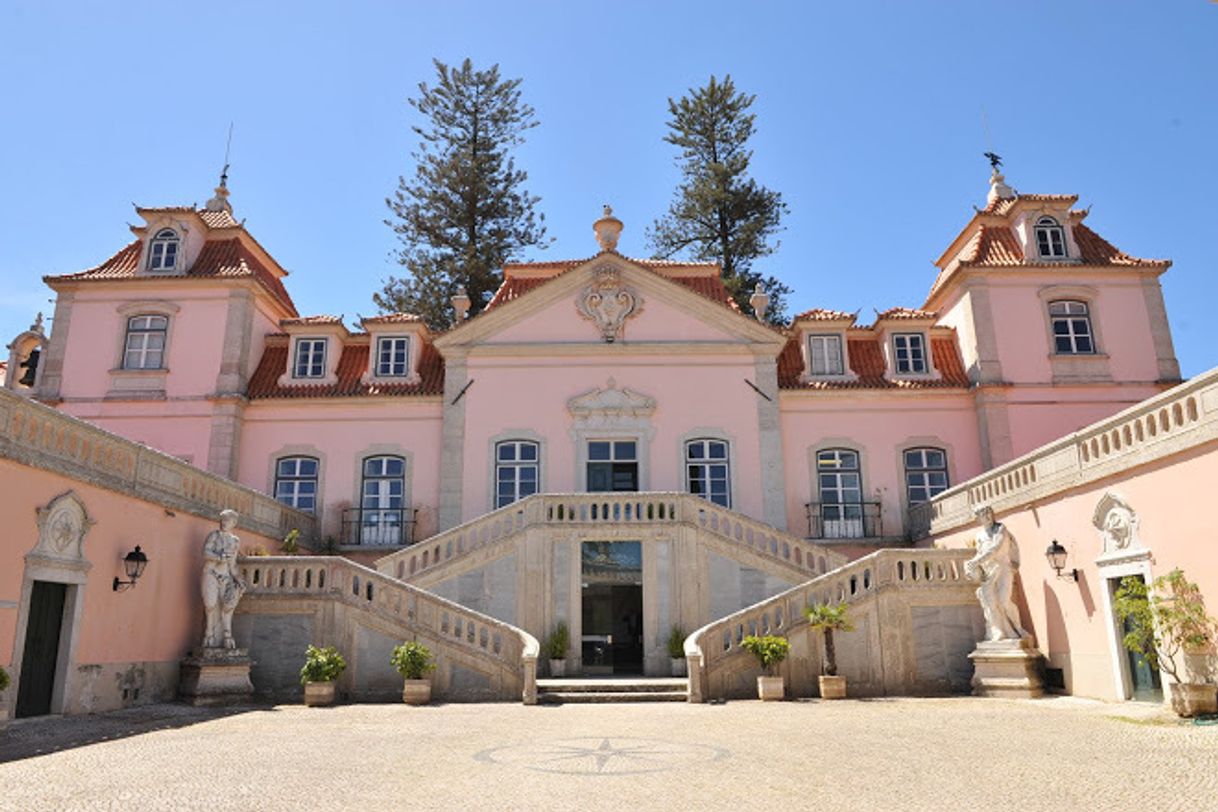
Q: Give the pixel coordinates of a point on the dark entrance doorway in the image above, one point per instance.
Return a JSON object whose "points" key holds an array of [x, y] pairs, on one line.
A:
{"points": [[41, 653], [1144, 682], [612, 607]]}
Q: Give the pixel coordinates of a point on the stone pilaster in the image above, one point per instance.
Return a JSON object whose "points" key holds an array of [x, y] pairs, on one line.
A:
{"points": [[994, 426], [234, 358], [51, 376], [980, 321], [224, 443], [452, 447], [1160, 332], [773, 479]]}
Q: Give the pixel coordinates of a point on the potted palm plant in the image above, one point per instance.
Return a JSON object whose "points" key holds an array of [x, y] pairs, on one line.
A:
{"points": [[830, 618], [556, 649], [770, 651], [321, 668], [414, 662], [676, 652], [1166, 621]]}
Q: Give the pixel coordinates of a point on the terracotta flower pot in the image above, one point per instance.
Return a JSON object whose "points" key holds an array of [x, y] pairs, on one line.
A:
{"points": [[317, 694], [558, 668], [770, 689], [679, 668], [1192, 699], [832, 687], [416, 691]]}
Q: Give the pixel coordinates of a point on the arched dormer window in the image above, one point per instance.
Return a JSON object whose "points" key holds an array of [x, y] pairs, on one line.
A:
{"points": [[163, 252], [1050, 239]]}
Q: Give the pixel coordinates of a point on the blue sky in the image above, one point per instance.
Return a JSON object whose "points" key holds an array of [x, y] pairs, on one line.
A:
{"points": [[869, 123]]}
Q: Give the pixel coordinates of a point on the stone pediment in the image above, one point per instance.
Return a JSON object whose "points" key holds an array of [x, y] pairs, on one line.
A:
{"points": [[62, 526], [611, 402]]}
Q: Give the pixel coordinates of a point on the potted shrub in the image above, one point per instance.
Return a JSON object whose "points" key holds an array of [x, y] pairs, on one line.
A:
{"points": [[321, 668], [556, 649], [770, 651], [4, 680], [676, 651], [414, 662], [830, 618], [1163, 622]]}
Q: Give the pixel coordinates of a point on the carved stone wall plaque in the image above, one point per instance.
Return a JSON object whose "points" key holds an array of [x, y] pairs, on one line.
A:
{"points": [[62, 526], [1118, 524], [608, 302]]}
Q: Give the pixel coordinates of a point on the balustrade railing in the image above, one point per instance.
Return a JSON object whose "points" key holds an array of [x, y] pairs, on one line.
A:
{"points": [[590, 510], [378, 527], [414, 608], [847, 520], [710, 646]]}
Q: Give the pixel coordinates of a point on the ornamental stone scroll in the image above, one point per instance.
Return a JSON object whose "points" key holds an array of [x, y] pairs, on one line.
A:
{"points": [[608, 302], [1118, 525]]}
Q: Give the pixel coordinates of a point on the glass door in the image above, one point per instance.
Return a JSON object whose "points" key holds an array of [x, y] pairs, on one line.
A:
{"points": [[382, 503], [613, 465]]}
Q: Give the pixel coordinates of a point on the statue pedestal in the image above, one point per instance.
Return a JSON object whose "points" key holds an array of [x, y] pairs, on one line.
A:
{"points": [[1007, 668], [216, 676]]}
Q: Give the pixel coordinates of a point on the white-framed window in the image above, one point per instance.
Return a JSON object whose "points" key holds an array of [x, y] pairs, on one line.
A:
{"points": [[163, 251], [909, 351], [393, 357], [296, 482], [1050, 239], [707, 470], [613, 465], [382, 516], [1071, 322], [144, 347], [517, 469], [840, 483], [925, 474], [310, 358], [825, 355]]}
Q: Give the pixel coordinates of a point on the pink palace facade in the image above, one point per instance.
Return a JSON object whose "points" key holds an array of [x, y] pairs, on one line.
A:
{"points": [[605, 374]]}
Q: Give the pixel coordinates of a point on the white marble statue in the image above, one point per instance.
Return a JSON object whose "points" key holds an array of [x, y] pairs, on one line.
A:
{"points": [[222, 583], [994, 564]]}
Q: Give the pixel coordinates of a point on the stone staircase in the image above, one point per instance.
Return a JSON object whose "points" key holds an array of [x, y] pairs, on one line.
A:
{"points": [[612, 689]]}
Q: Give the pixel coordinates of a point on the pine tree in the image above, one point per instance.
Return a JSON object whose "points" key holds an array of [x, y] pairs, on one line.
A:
{"points": [[718, 212], [464, 213]]}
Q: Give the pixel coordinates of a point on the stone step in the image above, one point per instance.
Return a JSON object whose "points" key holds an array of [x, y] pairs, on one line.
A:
{"points": [[613, 689], [551, 697]]}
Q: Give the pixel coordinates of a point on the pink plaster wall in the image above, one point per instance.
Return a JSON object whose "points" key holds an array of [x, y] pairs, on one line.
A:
{"points": [[156, 621], [1068, 619], [341, 433], [1035, 421], [880, 427], [512, 396]]}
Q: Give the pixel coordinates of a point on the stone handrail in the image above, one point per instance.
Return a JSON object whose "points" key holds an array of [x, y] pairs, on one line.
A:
{"points": [[37, 435], [1180, 418], [711, 646], [357, 585], [611, 509]]}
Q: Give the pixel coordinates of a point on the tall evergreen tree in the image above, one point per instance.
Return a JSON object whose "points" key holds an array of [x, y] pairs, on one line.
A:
{"points": [[719, 213], [465, 212]]}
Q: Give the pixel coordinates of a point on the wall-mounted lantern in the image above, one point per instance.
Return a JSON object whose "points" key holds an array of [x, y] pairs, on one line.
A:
{"points": [[1057, 560], [133, 563]]}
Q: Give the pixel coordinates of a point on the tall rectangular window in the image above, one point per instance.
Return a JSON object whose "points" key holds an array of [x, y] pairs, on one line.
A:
{"points": [[1071, 328], [613, 465], [841, 493], [296, 482], [910, 350], [826, 354], [516, 471], [925, 474], [383, 501], [393, 357], [145, 344], [706, 469], [310, 358]]}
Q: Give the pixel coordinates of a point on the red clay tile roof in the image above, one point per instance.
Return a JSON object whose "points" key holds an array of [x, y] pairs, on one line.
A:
{"points": [[1004, 205], [1098, 251], [866, 360], [322, 319], [392, 318], [513, 288], [218, 219], [352, 364], [226, 258], [900, 313], [822, 314], [996, 246], [711, 287]]}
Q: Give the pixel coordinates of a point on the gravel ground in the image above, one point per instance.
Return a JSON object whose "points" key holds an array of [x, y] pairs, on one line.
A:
{"points": [[902, 754]]}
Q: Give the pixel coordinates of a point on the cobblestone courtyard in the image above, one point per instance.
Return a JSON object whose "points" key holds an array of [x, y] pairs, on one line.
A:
{"points": [[907, 754]]}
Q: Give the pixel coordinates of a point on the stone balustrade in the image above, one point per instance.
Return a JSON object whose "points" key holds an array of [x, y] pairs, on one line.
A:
{"points": [[37, 435], [1179, 418], [902, 578], [411, 610], [624, 512]]}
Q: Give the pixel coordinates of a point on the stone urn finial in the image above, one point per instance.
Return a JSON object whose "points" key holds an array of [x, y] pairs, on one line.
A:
{"points": [[460, 301], [607, 230], [760, 302]]}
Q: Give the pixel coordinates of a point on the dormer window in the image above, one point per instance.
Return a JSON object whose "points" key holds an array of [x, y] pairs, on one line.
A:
{"points": [[825, 355], [163, 252], [393, 357], [909, 351], [1050, 239], [310, 358]]}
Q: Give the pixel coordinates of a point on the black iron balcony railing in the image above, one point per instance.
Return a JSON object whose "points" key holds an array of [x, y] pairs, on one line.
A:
{"points": [[855, 520], [378, 527]]}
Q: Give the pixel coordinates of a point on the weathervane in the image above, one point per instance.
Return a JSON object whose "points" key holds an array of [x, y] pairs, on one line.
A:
{"points": [[995, 160]]}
